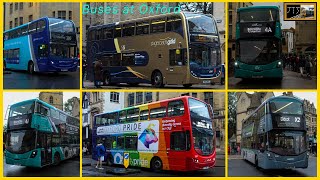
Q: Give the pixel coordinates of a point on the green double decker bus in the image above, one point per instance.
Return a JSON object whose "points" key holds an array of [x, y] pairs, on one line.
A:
{"points": [[39, 134], [258, 43]]}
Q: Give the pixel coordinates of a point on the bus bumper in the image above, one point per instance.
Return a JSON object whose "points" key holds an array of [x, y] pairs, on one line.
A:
{"points": [[286, 162], [23, 159], [52, 67], [271, 73]]}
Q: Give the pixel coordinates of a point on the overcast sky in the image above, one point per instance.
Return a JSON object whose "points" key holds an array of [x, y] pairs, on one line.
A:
{"points": [[14, 97], [284, 24], [311, 96]]}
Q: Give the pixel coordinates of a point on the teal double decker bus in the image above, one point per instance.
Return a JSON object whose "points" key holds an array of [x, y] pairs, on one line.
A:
{"points": [[39, 134], [258, 43], [274, 136]]}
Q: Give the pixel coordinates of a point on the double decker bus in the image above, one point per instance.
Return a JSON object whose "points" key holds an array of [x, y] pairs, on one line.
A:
{"points": [[39, 135], [258, 43], [176, 48], [174, 134], [274, 135], [43, 45]]}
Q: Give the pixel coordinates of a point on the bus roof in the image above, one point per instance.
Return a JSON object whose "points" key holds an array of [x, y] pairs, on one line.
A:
{"points": [[45, 17], [181, 13], [38, 100], [155, 102], [257, 7], [273, 98]]}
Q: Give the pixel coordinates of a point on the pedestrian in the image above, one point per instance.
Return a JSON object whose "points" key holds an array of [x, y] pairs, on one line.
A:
{"points": [[98, 74], [84, 69], [100, 149], [238, 149], [302, 63], [84, 150], [308, 66]]}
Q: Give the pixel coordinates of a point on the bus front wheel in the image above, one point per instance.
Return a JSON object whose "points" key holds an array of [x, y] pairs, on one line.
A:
{"points": [[31, 67], [156, 164], [56, 159], [157, 79]]}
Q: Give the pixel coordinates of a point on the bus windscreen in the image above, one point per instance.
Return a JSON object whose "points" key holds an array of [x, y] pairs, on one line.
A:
{"points": [[259, 15]]}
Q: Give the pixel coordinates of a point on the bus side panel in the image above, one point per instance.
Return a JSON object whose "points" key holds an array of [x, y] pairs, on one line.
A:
{"points": [[248, 155], [22, 43]]}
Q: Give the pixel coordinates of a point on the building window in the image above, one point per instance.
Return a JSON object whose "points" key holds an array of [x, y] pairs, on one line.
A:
{"points": [[194, 95], [10, 25], [114, 97], [208, 98], [70, 15], [130, 99], [21, 6], [185, 94], [20, 20], [53, 14], [139, 98], [95, 97], [51, 100], [15, 22], [62, 14], [147, 97], [16, 5], [11, 8], [30, 18], [30, 4]]}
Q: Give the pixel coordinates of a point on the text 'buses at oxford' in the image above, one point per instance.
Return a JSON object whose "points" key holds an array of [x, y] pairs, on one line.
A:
{"points": [[174, 134], [39, 134], [258, 43], [177, 48], [43, 45], [274, 135]]}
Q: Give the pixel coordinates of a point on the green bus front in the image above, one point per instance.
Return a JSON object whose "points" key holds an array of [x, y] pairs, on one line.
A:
{"points": [[31, 136], [258, 43]]}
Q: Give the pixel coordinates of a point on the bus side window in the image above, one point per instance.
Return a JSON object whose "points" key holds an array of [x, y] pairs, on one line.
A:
{"points": [[175, 108], [107, 33], [122, 116], [120, 142], [131, 142], [157, 25], [174, 24], [144, 115], [158, 112], [128, 29], [41, 25], [142, 28], [33, 28], [132, 115], [177, 57], [188, 141], [117, 31]]}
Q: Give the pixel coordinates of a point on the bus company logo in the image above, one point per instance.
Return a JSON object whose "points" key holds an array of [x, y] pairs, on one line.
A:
{"points": [[148, 136], [299, 11], [167, 41], [18, 122], [254, 30], [285, 119]]}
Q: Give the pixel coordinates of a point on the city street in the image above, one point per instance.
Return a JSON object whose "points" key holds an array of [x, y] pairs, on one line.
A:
{"points": [[291, 80], [23, 80], [69, 167], [239, 167], [89, 170], [90, 85]]}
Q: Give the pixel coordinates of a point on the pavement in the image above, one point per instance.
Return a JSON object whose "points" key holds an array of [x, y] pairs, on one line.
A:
{"points": [[90, 85], [67, 168], [24, 80], [291, 80], [89, 170], [237, 167]]}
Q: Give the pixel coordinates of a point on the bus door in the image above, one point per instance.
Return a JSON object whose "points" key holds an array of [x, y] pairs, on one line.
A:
{"points": [[261, 155], [177, 69], [179, 148], [45, 141]]}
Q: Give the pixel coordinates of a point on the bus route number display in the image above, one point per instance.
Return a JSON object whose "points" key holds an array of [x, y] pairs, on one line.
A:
{"points": [[288, 121]]}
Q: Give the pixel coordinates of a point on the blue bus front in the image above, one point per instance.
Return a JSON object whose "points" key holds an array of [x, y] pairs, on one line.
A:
{"points": [[286, 138], [204, 49]]}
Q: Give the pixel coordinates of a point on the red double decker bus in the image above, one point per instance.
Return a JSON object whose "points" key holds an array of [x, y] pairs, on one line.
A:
{"points": [[174, 134]]}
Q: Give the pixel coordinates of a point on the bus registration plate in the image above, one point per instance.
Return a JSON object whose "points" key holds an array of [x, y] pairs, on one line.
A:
{"points": [[206, 82], [64, 70], [205, 167]]}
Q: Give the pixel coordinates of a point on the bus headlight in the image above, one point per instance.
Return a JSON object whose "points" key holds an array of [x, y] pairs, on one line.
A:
{"points": [[236, 64], [34, 154], [52, 62], [195, 160], [279, 64], [269, 156]]}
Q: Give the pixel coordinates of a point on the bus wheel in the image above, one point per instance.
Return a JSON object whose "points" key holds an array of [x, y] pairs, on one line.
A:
{"points": [[157, 79], [187, 85], [56, 159], [31, 67], [109, 160], [156, 164]]}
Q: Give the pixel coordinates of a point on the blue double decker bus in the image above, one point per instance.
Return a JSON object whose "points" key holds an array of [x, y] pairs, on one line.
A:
{"points": [[43, 45], [274, 135]]}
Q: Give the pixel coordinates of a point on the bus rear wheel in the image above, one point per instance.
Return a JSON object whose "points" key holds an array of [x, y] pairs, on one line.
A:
{"points": [[156, 164], [31, 67], [157, 79], [56, 159]]}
